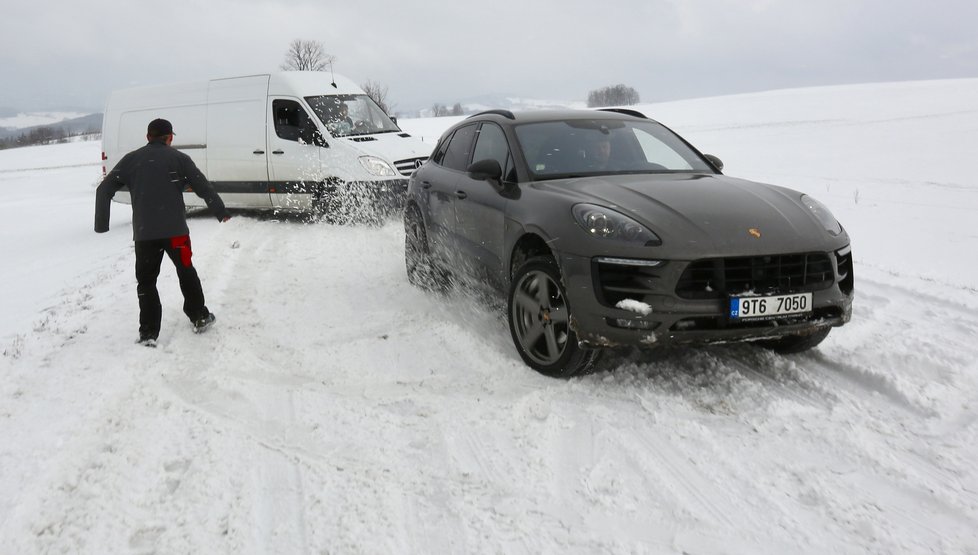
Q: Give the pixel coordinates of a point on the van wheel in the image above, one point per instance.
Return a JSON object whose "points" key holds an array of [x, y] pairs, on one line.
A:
{"points": [[327, 206], [540, 322]]}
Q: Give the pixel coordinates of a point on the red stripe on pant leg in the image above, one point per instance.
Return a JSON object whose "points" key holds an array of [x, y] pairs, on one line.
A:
{"points": [[183, 244]]}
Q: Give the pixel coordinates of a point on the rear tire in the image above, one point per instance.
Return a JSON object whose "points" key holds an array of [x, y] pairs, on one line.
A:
{"points": [[540, 322], [796, 343]]}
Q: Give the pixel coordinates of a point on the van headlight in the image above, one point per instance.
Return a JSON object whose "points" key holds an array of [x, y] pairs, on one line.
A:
{"points": [[605, 223], [376, 166], [823, 215]]}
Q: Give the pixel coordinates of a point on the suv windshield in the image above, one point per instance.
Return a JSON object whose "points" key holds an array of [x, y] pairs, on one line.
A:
{"points": [[351, 114], [558, 149]]}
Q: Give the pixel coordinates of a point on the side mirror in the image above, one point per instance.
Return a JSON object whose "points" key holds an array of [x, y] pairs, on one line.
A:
{"points": [[717, 163], [486, 170], [319, 140], [312, 136]]}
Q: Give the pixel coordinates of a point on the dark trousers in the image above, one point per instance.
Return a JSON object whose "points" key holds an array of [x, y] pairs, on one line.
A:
{"points": [[149, 256]]}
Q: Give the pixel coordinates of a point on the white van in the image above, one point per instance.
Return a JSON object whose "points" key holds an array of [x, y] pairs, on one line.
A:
{"points": [[276, 141]]}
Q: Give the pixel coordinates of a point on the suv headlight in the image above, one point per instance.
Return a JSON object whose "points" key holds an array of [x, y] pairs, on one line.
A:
{"points": [[376, 166], [823, 215], [605, 223]]}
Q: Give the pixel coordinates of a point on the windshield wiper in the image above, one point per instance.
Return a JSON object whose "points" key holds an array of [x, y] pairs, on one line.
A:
{"points": [[555, 176]]}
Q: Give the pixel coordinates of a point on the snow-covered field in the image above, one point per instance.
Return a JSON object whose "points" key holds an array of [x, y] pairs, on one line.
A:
{"points": [[335, 409]]}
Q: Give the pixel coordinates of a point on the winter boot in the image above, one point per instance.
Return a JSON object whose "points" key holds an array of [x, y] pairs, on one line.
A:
{"points": [[202, 324]]}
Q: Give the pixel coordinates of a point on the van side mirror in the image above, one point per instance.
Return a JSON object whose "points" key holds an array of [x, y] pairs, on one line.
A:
{"points": [[319, 140], [486, 170], [717, 163], [312, 136]]}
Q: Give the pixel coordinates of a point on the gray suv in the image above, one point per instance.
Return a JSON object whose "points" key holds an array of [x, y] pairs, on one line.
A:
{"points": [[606, 229]]}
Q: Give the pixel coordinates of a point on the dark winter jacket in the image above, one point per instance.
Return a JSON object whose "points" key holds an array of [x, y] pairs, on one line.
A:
{"points": [[156, 176]]}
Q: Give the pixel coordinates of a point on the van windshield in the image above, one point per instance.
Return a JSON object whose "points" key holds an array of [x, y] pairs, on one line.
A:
{"points": [[346, 115]]}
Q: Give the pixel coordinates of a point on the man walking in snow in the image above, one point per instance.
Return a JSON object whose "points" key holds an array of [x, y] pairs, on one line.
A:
{"points": [[156, 176]]}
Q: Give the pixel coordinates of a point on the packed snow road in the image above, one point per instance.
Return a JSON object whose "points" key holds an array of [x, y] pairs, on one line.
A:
{"points": [[333, 408], [336, 409]]}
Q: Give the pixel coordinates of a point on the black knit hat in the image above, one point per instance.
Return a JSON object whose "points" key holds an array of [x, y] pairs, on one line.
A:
{"points": [[159, 128]]}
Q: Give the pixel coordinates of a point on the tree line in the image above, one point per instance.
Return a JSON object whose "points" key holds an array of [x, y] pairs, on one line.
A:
{"points": [[48, 134], [615, 95]]}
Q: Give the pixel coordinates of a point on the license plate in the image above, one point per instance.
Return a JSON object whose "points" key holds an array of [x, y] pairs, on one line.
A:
{"points": [[749, 308]]}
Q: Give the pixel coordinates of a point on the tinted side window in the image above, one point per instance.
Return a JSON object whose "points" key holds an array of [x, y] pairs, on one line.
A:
{"points": [[439, 154], [459, 149], [292, 123], [491, 145]]}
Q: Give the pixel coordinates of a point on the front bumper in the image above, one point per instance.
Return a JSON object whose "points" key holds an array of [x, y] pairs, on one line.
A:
{"points": [[676, 319]]}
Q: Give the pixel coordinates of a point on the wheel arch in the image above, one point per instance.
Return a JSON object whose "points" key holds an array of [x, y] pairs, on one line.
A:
{"points": [[527, 246]]}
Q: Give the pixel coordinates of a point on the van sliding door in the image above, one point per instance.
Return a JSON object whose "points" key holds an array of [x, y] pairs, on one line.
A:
{"points": [[236, 143]]}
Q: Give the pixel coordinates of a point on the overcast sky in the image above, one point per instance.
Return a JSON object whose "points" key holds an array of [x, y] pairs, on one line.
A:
{"points": [[62, 54]]}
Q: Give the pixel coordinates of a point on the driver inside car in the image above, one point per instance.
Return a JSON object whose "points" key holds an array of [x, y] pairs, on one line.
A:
{"points": [[597, 152]]}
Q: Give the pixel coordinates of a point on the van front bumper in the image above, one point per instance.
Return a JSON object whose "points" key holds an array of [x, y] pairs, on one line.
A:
{"points": [[366, 198]]}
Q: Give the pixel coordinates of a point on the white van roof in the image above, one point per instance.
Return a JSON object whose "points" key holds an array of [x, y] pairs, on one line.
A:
{"points": [[310, 83], [286, 83]]}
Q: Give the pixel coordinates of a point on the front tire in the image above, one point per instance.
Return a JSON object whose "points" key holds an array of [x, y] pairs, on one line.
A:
{"points": [[540, 321]]}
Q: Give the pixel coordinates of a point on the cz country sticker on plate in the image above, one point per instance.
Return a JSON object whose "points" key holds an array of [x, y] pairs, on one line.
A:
{"points": [[743, 308]]}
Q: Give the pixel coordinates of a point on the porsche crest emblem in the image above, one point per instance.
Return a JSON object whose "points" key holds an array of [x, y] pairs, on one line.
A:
{"points": [[754, 232]]}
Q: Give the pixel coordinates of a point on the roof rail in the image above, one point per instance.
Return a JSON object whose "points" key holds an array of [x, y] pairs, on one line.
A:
{"points": [[505, 113], [625, 111]]}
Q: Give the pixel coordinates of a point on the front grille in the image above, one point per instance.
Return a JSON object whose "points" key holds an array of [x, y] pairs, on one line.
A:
{"points": [[407, 167], [719, 277]]}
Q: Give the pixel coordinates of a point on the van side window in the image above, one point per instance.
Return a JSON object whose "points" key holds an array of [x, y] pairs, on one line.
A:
{"points": [[460, 148], [292, 123]]}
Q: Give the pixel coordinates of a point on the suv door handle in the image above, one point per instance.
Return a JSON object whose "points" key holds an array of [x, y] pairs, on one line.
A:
{"points": [[425, 184], [258, 151], [278, 152], [461, 194]]}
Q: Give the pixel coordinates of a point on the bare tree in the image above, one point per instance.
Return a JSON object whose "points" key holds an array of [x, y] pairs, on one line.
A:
{"points": [[307, 55], [378, 93], [457, 109], [438, 110]]}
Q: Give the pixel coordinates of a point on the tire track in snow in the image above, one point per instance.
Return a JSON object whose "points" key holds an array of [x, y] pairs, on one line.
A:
{"points": [[792, 388], [277, 473], [849, 376], [479, 458]]}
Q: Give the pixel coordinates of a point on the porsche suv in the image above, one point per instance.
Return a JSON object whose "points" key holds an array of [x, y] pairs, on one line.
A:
{"points": [[606, 229]]}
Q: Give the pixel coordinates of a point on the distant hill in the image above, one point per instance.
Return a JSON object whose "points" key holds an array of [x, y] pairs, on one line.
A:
{"points": [[73, 126]]}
